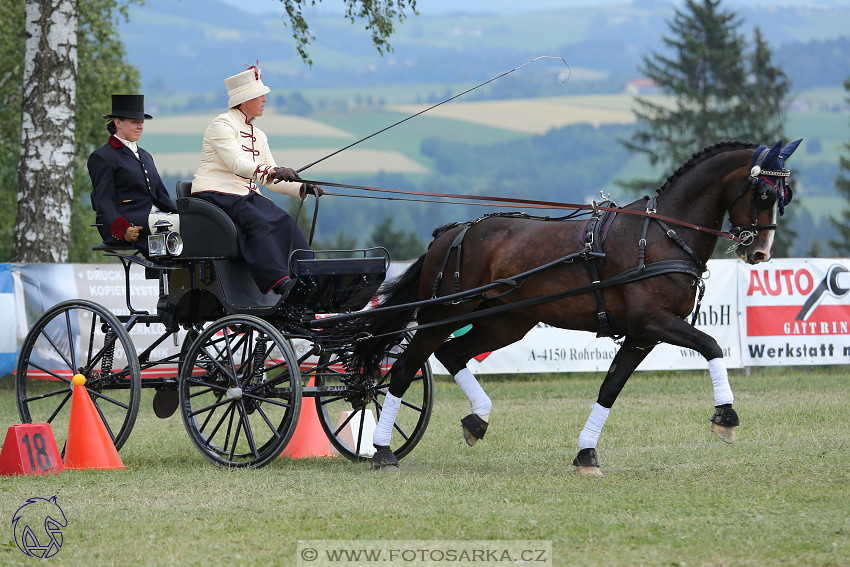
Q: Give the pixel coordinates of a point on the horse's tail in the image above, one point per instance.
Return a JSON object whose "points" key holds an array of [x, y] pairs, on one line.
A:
{"points": [[386, 328]]}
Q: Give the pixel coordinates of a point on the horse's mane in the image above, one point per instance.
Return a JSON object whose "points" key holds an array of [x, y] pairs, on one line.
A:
{"points": [[705, 153]]}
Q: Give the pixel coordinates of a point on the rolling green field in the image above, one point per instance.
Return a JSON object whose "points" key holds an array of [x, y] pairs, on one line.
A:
{"points": [[672, 493]]}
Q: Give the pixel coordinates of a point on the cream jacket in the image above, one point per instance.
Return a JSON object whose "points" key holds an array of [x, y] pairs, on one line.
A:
{"points": [[235, 155]]}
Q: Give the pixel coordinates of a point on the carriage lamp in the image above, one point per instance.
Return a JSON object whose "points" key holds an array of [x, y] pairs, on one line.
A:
{"points": [[164, 242]]}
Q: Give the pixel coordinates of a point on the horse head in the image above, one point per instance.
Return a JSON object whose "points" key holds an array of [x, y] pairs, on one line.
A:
{"points": [[754, 211]]}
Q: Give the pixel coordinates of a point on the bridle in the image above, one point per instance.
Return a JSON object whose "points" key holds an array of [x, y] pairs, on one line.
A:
{"points": [[767, 188]]}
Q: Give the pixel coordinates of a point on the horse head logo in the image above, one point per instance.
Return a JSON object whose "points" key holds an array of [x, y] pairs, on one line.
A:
{"points": [[38, 527]]}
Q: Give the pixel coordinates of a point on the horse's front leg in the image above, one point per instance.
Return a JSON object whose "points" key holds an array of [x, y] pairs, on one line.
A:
{"points": [[628, 358], [676, 331]]}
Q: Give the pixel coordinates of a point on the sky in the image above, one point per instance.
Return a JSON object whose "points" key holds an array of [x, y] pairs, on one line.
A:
{"points": [[431, 7], [436, 7]]}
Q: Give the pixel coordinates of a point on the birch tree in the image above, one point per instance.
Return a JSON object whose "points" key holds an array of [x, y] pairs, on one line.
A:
{"points": [[45, 170]]}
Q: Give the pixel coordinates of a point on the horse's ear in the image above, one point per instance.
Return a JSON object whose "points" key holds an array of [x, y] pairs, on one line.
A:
{"points": [[771, 160], [789, 149]]}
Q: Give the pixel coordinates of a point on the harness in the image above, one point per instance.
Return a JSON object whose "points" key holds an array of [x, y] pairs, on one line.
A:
{"points": [[593, 235], [769, 186]]}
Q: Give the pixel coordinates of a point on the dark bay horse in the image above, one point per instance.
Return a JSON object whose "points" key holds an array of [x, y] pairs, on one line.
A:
{"points": [[648, 272]]}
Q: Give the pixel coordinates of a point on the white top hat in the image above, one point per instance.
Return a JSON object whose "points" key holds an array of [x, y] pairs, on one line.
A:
{"points": [[245, 86]]}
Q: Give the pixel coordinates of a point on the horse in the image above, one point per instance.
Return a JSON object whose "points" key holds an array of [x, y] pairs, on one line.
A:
{"points": [[633, 274]]}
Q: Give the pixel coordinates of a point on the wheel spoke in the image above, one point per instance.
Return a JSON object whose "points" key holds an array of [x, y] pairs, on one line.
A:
{"points": [[104, 420], [70, 342], [108, 399], [249, 434], [59, 407]]}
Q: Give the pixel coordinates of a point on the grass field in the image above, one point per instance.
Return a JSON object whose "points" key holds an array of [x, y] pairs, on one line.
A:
{"points": [[673, 494]]}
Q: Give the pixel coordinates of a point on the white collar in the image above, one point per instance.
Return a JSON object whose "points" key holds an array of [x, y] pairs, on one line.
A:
{"points": [[132, 145]]}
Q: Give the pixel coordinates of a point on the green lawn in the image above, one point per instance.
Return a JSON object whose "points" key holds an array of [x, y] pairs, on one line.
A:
{"points": [[673, 494]]}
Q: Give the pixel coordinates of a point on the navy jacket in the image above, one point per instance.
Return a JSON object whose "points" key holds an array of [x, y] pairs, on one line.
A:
{"points": [[124, 189]]}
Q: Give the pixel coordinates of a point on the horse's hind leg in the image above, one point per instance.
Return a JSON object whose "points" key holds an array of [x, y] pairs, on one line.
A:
{"points": [[455, 354], [625, 362], [424, 342]]}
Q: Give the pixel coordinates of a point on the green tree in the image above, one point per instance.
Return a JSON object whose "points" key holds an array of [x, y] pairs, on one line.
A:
{"points": [[716, 90], [11, 71], [401, 244], [380, 20], [842, 185], [102, 70]]}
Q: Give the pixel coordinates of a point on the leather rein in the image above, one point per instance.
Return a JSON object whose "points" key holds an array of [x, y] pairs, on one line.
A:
{"points": [[532, 203]]}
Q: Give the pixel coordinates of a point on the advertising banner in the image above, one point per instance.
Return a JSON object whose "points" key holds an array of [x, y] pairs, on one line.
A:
{"points": [[784, 312], [795, 312]]}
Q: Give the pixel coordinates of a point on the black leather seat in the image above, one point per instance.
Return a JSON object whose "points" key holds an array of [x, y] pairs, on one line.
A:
{"points": [[207, 231]]}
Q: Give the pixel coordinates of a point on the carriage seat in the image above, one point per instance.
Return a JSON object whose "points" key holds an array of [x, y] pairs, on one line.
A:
{"points": [[207, 231]]}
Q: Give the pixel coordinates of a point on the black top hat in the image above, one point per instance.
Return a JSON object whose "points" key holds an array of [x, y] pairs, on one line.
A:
{"points": [[128, 106]]}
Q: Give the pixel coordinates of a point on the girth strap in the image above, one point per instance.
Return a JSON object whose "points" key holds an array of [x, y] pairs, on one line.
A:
{"points": [[456, 244], [593, 235]]}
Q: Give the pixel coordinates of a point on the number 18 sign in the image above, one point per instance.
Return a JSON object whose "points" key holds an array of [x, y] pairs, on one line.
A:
{"points": [[30, 449]]}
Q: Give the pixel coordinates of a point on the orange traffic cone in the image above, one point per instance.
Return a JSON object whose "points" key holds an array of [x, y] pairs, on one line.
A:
{"points": [[89, 445], [309, 439]]}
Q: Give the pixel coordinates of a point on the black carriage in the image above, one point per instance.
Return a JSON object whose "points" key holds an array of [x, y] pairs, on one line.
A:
{"points": [[236, 379]]}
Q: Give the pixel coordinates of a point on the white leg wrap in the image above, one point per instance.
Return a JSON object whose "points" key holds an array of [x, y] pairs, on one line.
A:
{"points": [[720, 382], [590, 434], [481, 404], [384, 429]]}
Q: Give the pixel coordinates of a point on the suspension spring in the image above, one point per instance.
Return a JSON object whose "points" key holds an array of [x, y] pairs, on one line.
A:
{"points": [[108, 352], [259, 358]]}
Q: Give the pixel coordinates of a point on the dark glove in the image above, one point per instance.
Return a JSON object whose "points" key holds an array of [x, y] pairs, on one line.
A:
{"points": [[283, 174], [311, 189]]}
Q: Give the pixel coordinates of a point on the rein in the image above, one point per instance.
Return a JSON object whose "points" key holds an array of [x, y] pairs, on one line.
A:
{"points": [[531, 203]]}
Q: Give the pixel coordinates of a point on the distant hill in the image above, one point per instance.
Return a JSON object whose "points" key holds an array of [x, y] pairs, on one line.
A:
{"points": [[184, 49]]}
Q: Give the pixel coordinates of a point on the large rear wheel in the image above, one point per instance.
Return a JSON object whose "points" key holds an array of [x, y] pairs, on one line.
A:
{"points": [[78, 337]]}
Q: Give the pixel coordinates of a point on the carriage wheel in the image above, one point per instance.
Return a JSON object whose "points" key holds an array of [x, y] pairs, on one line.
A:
{"points": [[240, 392], [78, 337], [347, 414]]}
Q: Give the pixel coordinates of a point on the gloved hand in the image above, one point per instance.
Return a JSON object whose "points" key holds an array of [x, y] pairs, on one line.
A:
{"points": [[311, 189], [283, 174]]}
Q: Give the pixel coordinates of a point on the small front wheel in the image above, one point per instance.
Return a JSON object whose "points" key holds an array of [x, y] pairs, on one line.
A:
{"points": [[240, 392], [349, 404]]}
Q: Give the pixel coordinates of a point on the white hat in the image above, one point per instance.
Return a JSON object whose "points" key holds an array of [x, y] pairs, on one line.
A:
{"points": [[245, 86]]}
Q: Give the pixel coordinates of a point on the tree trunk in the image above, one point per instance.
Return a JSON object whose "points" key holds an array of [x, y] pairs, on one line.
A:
{"points": [[45, 171]]}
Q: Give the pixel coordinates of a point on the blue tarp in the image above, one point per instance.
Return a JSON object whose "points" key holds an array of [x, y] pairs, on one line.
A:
{"points": [[8, 323]]}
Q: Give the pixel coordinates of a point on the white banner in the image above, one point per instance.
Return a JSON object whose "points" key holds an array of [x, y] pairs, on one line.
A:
{"points": [[795, 312], [785, 312]]}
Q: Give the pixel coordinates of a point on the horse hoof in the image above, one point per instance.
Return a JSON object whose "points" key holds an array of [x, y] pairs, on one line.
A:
{"points": [[723, 423], [587, 463], [583, 470], [474, 428], [384, 459], [727, 434]]}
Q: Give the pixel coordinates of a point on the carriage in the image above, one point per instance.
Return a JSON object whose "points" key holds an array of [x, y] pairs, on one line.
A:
{"points": [[235, 377], [631, 272]]}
